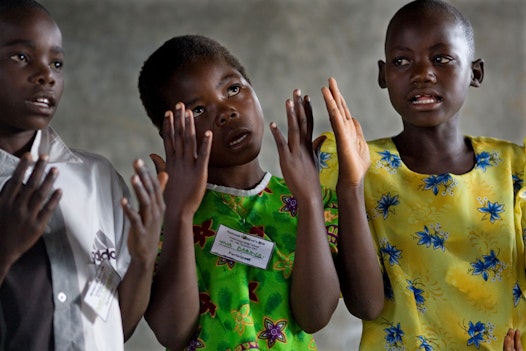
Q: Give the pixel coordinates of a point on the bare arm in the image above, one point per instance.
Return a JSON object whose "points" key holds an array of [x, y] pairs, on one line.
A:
{"points": [[174, 306], [315, 287], [359, 269], [25, 210], [143, 238]]}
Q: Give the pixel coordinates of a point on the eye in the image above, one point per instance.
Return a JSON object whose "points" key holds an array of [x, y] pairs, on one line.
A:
{"points": [[197, 111], [442, 59], [57, 65], [400, 61], [234, 89], [19, 57]]}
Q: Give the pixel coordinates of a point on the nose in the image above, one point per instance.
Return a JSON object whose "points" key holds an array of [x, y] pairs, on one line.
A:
{"points": [[43, 75], [226, 114], [423, 72]]}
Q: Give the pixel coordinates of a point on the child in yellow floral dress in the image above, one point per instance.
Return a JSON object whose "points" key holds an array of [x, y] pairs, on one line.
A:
{"points": [[446, 210]]}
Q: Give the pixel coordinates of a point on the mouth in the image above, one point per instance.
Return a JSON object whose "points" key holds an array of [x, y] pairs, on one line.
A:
{"points": [[425, 99], [238, 138]]}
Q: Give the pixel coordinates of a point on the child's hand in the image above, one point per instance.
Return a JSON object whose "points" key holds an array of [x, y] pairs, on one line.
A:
{"points": [[352, 149], [25, 209], [187, 169], [296, 156], [512, 341], [146, 224]]}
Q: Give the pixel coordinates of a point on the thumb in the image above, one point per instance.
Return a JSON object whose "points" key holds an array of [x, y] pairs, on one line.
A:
{"points": [[158, 161]]}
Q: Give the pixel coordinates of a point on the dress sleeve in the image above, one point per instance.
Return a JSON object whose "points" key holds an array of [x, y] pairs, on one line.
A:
{"points": [[328, 161]]}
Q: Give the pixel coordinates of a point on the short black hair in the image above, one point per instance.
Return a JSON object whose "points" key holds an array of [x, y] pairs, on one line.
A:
{"points": [[175, 54], [425, 5], [14, 4]]}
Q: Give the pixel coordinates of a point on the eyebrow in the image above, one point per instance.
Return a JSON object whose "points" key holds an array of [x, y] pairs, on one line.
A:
{"points": [[218, 85], [28, 43]]}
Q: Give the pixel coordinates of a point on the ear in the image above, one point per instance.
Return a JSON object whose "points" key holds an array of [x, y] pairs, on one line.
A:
{"points": [[477, 72], [381, 74]]}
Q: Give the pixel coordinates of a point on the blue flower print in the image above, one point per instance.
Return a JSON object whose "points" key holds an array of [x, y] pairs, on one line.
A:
{"points": [[517, 294], [391, 251], [492, 209], [393, 337], [385, 203], [417, 293], [424, 343], [436, 238], [389, 161], [323, 158], [435, 182], [486, 159], [479, 333], [488, 264]]}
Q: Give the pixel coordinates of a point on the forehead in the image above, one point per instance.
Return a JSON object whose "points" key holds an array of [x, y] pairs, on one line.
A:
{"points": [[200, 75], [22, 21], [415, 26]]}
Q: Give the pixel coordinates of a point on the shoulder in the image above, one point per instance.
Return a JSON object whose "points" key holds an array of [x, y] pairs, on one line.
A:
{"points": [[506, 148]]}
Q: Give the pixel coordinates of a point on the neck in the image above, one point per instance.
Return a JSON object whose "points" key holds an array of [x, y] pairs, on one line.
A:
{"points": [[246, 176], [17, 144], [431, 151]]}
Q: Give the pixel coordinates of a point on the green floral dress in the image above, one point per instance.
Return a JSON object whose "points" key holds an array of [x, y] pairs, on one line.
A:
{"points": [[244, 307], [451, 247]]}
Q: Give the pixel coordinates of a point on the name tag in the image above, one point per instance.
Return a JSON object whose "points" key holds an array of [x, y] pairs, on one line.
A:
{"points": [[240, 247], [102, 289]]}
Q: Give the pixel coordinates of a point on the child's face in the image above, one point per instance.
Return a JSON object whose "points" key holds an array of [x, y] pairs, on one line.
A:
{"points": [[225, 103], [428, 68], [31, 59]]}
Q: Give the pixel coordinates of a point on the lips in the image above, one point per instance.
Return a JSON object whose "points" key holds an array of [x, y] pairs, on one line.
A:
{"points": [[425, 99], [238, 137]]}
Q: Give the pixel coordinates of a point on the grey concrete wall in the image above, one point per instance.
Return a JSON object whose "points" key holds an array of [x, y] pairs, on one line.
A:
{"points": [[284, 44]]}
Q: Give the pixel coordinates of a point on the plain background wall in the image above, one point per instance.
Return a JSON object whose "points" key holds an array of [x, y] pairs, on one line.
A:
{"points": [[284, 44]]}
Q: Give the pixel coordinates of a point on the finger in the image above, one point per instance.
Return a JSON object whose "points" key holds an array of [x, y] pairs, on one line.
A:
{"points": [[38, 171], [189, 135], [317, 143], [330, 103], [292, 123], [179, 128], [131, 214], [49, 207], [144, 175], [204, 151], [301, 118], [41, 194], [162, 178], [142, 196], [307, 107], [333, 86], [517, 339], [158, 162], [278, 138], [168, 133]]}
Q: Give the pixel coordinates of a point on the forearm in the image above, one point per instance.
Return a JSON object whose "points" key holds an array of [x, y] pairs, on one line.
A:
{"points": [[134, 294], [174, 305], [359, 270], [315, 288]]}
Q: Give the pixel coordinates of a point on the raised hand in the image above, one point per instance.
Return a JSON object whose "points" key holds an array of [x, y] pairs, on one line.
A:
{"points": [[146, 224], [352, 149], [296, 155], [25, 209], [187, 169]]}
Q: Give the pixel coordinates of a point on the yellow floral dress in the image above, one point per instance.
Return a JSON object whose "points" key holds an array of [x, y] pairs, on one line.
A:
{"points": [[451, 248]]}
